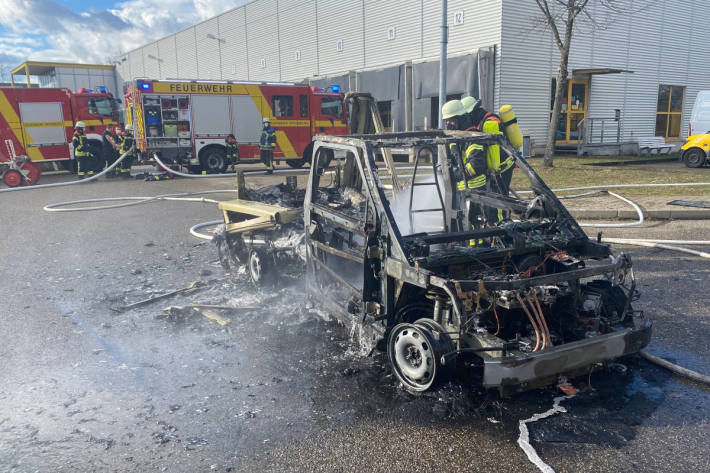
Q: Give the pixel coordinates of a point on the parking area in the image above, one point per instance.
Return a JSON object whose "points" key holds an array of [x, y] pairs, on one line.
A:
{"points": [[271, 385]]}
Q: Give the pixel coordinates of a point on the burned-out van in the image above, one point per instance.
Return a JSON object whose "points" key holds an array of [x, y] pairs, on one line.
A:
{"points": [[438, 275]]}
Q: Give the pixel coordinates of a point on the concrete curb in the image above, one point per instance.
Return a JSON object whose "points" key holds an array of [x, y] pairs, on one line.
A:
{"points": [[657, 214]]}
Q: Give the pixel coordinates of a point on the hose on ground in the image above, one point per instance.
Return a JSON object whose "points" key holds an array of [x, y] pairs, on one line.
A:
{"points": [[182, 174], [182, 196], [679, 370], [195, 233], [610, 225], [70, 183]]}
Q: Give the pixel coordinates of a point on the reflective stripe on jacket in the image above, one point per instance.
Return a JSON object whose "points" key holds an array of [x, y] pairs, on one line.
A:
{"points": [[126, 144], [81, 147], [268, 139]]}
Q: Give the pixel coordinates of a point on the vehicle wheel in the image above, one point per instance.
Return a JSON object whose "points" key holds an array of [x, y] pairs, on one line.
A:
{"points": [[259, 267], [69, 165], [443, 345], [694, 158], [32, 173], [12, 178], [213, 160], [296, 163], [411, 349]]}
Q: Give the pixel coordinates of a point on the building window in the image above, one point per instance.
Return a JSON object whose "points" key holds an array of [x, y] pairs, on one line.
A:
{"points": [[304, 105], [282, 105], [385, 109], [669, 110]]}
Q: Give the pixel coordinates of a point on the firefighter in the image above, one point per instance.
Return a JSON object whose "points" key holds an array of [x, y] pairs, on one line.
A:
{"points": [[473, 158], [267, 143], [230, 142], [109, 149], [127, 146], [85, 159], [481, 119]]}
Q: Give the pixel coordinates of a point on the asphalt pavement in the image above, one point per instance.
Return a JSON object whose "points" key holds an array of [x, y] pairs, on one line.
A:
{"points": [[278, 387]]}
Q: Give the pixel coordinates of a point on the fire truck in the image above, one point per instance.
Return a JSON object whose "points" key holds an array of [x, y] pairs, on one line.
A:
{"points": [[186, 122], [36, 125]]}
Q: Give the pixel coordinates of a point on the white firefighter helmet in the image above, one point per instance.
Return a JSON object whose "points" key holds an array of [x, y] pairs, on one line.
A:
{"points": [[267, 120], [79, 125], [469, 103], [452, 108]]}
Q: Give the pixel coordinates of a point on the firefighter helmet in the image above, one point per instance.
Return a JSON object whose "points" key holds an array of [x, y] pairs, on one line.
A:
{"points": [[469, 103], [452, 108], [79, 125], [267, 120]]}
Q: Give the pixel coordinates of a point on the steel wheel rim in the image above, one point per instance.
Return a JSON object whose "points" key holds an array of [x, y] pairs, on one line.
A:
{"points": [[214, 161], [693, 157], [414, 357]]}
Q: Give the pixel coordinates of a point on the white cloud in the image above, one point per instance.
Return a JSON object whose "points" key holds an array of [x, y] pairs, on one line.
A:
{"points": [[60, 34]]}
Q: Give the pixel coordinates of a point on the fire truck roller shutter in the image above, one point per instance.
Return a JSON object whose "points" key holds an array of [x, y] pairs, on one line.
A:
{"points": [[247, 119], [43, 125], [211, 119]]}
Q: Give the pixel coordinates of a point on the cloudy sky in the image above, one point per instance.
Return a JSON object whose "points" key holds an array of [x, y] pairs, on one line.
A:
{"points": [[92, 31]]}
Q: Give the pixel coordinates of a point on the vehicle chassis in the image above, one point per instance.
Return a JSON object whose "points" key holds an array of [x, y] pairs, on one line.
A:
{"points": [[409, 293]]}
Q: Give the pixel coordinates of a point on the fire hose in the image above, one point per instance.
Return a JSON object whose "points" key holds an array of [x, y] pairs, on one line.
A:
{"points": [[70, 183]]}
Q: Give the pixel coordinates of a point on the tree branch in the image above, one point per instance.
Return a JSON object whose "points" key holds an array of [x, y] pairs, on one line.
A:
{"points": [[545, 8]]}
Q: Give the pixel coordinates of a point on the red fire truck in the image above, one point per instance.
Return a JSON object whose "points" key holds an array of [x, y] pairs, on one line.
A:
{"points": [[186, 122], [38, 124]]}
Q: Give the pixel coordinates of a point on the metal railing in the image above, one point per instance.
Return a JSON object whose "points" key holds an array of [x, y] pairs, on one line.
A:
{"points": [[605, 134]]}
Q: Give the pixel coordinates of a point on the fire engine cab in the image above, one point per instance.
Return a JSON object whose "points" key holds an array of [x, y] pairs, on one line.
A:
{"points": [[186, 122], [36, 125]]}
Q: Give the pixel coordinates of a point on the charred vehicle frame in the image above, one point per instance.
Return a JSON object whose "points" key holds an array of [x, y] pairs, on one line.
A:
{"points": [[529, 298]]}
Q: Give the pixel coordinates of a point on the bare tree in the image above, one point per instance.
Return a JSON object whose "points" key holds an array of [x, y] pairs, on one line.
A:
{"points": [[559, 15]]}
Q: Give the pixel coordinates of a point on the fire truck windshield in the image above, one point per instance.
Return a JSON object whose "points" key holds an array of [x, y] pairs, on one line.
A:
{"points": [[101, 107], [332, 106]]}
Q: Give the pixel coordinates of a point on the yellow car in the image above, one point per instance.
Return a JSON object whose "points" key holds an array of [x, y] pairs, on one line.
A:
{"points": [[695, 152]]}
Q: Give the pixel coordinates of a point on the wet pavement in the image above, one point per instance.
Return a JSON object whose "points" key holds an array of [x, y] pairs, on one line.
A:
{"points": [[85, 387]]}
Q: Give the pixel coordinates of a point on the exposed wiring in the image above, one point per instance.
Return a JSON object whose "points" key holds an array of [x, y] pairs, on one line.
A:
{"points": [[532, 321]]}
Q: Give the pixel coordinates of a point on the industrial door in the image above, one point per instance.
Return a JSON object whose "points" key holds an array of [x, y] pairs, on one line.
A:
{"points": [[575, 102]]}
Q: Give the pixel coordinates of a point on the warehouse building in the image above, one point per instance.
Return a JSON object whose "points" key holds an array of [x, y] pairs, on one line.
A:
{"points": [[635, 73]]}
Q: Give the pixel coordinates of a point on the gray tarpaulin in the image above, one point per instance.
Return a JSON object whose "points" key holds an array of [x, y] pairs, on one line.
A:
{"points": [[471, 74], [383, 84]]}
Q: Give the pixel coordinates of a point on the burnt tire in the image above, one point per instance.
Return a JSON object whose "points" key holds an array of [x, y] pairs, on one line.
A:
{"points": [[694, 158], [412, 350], [213, 160], [260, 267]]}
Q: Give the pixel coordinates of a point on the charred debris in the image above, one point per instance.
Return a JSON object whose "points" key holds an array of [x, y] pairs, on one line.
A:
{"points": [[437, 275]]}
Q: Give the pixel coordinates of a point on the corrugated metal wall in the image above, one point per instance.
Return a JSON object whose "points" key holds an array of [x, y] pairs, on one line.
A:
{"points": [[661, 42], [298, 39], [234, 49], [209, 49], [186, 54], [262, 31]]}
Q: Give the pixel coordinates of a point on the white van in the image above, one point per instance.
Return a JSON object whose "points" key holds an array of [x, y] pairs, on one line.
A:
{"points": [[700, 116]]}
